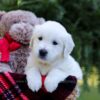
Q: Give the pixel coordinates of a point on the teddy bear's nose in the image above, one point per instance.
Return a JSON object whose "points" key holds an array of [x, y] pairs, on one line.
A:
{"points": [[43, 53]]}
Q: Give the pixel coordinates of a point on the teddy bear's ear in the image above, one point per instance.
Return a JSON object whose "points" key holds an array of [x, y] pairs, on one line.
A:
{"points": [[2, 13]]}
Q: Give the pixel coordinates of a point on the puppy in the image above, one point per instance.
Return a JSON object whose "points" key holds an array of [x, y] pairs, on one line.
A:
{"points": [[51, 47]]}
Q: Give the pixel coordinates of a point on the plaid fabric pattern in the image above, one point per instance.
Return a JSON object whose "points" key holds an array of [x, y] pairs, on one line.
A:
{"points": [[9, 90], [13, 86]]}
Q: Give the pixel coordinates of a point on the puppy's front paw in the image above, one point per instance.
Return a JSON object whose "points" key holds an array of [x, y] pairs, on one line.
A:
{"points": [[50, 84], [34, 84]]}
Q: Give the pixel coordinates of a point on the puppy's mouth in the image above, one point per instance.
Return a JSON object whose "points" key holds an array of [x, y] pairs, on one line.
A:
{"points": [[42, 58], [43, 61]]}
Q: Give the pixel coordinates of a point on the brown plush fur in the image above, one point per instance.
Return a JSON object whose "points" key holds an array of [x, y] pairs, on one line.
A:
{"points": [[20, 25]]}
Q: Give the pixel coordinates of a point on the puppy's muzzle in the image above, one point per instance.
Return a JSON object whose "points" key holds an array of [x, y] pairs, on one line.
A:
{"points": [[43, 53]]}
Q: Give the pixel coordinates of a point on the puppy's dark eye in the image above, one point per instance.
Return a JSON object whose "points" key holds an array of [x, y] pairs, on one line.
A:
{"points": [[40, 38], [54, 43]]}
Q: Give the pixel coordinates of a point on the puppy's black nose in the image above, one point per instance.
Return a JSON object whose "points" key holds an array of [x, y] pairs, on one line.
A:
{"points": [[43, 52]]}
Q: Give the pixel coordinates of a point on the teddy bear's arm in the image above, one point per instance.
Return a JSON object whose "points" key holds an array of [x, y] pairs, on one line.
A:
{"points": [[14, 45]]}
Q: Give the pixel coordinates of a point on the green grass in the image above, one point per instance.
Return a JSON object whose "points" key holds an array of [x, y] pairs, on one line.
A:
{"points": [[93, 94]]}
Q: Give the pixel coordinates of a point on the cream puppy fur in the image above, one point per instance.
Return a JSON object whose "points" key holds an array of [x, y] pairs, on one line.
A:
{"points": [[51, 47]]}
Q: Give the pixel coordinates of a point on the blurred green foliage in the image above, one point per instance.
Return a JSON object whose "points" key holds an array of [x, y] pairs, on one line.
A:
{"points": [[80, 17], [92, 94]]}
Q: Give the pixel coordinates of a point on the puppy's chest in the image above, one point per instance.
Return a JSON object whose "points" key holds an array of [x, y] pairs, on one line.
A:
{"points": [[44, 70]]}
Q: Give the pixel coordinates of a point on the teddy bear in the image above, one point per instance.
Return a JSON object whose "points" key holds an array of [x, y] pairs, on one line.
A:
{"points": [[17, 27]]}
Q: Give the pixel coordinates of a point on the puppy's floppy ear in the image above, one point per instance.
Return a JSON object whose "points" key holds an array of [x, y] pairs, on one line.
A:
{"points": [[68, 45]]}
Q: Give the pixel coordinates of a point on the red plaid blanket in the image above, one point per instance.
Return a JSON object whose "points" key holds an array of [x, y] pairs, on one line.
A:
{"points": [[9, 90], [14, 87]]}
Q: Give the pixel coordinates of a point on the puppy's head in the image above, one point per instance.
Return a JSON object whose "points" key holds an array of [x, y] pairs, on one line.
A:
{"points": [[51, 42]]}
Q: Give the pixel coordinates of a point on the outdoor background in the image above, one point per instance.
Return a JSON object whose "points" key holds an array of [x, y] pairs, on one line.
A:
{"points": [[82, 19]]}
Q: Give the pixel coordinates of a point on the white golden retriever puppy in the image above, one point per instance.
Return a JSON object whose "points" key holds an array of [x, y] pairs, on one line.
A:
{"points": [[51, 47]]}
